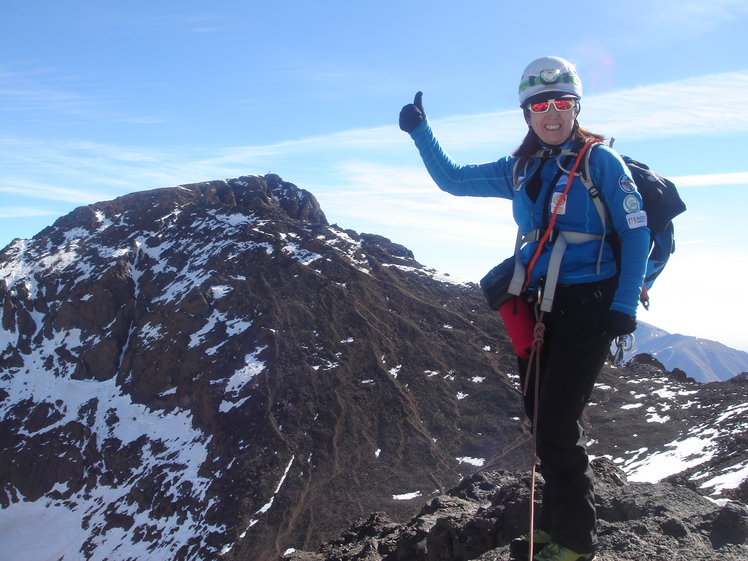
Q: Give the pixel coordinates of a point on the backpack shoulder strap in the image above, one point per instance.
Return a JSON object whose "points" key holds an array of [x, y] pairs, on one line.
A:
{"points": [[594, 191]]}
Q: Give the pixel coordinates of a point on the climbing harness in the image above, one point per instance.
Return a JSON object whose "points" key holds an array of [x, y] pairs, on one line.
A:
{"points": [[560, 239]]}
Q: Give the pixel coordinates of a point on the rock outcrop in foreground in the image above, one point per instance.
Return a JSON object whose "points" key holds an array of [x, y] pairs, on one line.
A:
{"points": [[478, 518]]}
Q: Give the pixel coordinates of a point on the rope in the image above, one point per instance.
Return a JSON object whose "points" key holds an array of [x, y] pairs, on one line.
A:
{"points": [[537, 344]]}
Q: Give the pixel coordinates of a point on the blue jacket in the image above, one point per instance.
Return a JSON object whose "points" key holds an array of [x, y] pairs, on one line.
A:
{"points": [[580, 261]]}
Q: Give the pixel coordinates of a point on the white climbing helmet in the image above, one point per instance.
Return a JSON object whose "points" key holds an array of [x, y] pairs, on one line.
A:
{"points": [[549, 74]]}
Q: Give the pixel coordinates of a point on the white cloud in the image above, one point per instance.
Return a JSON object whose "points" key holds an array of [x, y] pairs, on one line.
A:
{"points": [[738, 178], [21, 212], [689, 107], [41, 190], [692, 16], [41, 90], [406, 198], [705, 105], [662, 22]]}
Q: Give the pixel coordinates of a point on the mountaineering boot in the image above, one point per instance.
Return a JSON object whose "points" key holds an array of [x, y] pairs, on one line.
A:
{"points": [[554, 552], [520, 548]]}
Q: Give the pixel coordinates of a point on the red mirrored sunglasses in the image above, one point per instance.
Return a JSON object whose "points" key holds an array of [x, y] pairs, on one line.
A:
{"points": [[559, 104]]}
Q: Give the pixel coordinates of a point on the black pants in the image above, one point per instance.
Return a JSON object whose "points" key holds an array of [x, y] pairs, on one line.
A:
{"points": [[573, 354]]}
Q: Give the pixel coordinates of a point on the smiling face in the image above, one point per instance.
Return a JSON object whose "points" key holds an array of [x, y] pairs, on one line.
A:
{"points": [[553, 127]]}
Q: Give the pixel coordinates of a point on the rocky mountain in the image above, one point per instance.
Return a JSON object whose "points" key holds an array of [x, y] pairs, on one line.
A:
{"points": [[704, 360], [213, 371]]}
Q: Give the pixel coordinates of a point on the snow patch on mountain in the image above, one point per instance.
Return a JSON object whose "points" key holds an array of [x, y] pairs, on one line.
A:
{"points": [[165, 445]]}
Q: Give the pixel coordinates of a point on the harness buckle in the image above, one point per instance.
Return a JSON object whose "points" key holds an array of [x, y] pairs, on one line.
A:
{"points": [[540, 232]]}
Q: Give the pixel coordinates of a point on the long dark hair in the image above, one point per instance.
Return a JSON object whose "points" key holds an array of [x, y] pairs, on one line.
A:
{"points": [[531, 143]]}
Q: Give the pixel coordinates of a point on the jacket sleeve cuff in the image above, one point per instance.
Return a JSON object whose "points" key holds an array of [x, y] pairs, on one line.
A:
{"points": [[624, 309], [421, 129]]}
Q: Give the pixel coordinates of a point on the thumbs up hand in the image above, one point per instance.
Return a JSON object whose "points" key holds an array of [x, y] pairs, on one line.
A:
{"points": [[412, 114]]}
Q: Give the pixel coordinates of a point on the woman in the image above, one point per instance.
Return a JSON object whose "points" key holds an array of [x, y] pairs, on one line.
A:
{"points": [[598, 287]]}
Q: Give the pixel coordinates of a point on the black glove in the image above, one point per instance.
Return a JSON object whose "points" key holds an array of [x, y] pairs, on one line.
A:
{"points": [[617, 323], [412, 114]]}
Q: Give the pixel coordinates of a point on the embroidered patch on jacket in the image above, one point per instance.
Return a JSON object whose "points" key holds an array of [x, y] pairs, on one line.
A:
{"points": [[636, 219], [626, 184], [560, 200], [631, 204]]}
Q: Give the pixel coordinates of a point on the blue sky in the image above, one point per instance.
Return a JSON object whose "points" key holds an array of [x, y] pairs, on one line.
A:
{"points": [[101, 98]]}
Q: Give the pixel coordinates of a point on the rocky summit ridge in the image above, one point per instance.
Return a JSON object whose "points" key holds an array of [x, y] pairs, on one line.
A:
{"points": [[478, 518], [213, 371]]}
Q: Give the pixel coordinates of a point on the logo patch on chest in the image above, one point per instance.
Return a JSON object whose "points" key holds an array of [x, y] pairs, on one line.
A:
{"points": [[560, 200]]}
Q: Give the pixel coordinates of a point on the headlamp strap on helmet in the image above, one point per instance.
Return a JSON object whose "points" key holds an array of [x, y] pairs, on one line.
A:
{"points": [[550, 77]]}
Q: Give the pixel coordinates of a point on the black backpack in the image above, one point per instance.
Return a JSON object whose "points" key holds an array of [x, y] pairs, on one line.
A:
{"points": [[662, 203]]}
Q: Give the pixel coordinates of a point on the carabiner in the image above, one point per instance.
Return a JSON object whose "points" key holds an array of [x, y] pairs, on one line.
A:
{"points": [[623, 343]]}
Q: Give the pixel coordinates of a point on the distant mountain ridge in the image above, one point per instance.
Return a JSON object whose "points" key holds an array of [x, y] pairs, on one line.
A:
{"points": [[213, 371], [701, 359]]}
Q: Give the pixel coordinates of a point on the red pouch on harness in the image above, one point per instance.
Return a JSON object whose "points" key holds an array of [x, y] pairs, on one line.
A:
{"points": [[519, 321]]}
